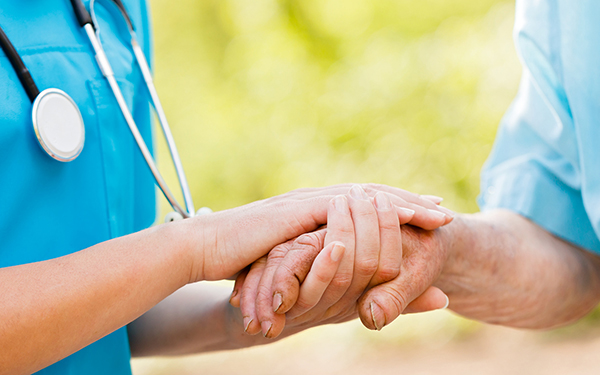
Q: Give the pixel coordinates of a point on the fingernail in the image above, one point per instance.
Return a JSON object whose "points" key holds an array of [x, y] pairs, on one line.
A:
{"points": [[437, 213], [357, 192], [447, 303], [247, 322], [382, 202], [337, 251], [277, 301], [341, 204], [266, 327], [377, 316], [447, 211], [433, 198], [408, 211]]}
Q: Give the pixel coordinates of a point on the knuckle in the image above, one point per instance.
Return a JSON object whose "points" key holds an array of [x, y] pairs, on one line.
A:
{"points": [[276, 254], [310, 240], [297, 268], [344, 231], [389, 225], [367, 267], [366, 211], [286, 279], [388, 272], [284, 272], [398, 300], [341, 282], [263, 293], [303, 304], [322, 278]]}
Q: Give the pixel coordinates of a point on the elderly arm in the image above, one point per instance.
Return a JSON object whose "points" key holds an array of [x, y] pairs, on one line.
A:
{"points": [[504, 269], [497, 267]]}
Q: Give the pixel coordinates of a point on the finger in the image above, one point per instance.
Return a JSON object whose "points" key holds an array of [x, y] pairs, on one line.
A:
{"points": [[424, 254], [405, 215], [248, 295], [271, 323], [366, 228], [371, 189], [382, 304], [234, 300], [321, 273], [414, 200], [432, 299], [390, 238], [425, 218], [293, 269], [340, 228], [433, 198]]}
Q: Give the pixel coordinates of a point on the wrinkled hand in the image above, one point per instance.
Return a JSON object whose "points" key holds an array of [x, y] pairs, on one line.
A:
{"points": [[282, 284], [424, 256]]}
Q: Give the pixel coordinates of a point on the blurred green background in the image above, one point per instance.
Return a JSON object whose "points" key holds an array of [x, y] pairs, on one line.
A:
{"points": [[265, 96]]}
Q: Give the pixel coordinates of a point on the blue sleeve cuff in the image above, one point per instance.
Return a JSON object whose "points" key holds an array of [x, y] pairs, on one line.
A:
{"points": [[529, 190]]}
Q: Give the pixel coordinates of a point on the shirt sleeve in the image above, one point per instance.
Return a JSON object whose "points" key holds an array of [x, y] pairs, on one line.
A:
{"points": [[534, 168]]}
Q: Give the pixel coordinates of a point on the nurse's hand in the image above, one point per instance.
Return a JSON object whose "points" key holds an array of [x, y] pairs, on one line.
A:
{"points": [[223, 243], [369, 236]]}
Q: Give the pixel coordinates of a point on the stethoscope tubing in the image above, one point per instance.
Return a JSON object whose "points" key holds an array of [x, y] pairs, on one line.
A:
{"points": [[162, 119], [86, 20], [19, 66]]}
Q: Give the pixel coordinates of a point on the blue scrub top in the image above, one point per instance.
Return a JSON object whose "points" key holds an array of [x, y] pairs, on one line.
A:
{"points": [[50, 209], [545, 163]]}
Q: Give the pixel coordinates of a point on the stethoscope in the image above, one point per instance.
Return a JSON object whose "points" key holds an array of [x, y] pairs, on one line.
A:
{"points": [[58, 123]]}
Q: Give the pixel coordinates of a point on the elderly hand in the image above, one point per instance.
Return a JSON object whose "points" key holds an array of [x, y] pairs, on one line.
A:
{"points": [[369, 231]]}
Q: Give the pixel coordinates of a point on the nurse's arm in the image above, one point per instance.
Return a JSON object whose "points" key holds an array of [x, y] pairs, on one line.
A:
{"points": [[51, 309]]}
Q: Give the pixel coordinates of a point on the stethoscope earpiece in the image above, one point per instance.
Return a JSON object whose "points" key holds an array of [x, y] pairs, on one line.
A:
{"points": [[176, 216], [204, 211], [173, 216]]}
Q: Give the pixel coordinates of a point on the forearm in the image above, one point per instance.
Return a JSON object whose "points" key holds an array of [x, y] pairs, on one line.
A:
{"points": [[195, 319], [53, 308], [503, 269]]}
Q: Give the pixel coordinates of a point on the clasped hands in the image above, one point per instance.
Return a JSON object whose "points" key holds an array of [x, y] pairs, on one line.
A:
{"points": [[366, 262]]}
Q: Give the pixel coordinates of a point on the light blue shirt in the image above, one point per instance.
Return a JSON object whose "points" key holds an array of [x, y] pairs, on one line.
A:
{"points": [[545, 164], [48, 208]]}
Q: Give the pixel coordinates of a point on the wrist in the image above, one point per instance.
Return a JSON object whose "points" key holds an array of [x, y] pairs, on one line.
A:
{"points": [[186, 242], [452, 237]]}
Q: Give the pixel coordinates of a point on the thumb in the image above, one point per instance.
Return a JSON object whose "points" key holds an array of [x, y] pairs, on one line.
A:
{"points": [[382, 304], [432, 299]]}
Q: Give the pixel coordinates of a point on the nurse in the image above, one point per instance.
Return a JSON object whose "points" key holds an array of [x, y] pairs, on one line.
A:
{"points": [[79, 260]]}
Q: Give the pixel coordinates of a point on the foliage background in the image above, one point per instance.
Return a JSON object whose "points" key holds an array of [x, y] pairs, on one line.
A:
{"points": [[265, 96]]}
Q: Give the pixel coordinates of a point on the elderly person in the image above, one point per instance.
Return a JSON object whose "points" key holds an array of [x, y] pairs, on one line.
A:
{"points": [[530, 258]]}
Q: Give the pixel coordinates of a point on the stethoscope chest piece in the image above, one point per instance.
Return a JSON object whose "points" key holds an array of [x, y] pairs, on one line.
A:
{"points": [[58, 125]]}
